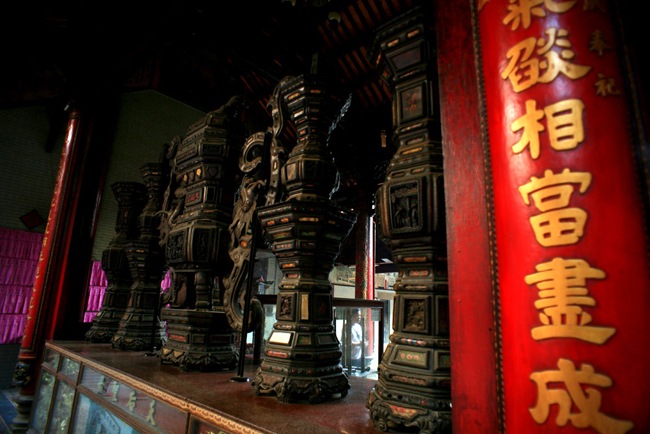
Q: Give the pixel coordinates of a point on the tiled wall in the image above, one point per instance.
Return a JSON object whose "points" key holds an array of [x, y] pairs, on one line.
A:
{"points": [[27, 172], [148, 120]]}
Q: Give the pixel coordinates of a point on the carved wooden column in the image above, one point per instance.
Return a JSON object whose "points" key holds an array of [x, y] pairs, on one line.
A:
{"points": [[144, 255], [130, 200], [303, 354], [198, 210], [414, 374]]}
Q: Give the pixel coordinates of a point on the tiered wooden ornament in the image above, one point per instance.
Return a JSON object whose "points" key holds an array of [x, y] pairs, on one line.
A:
{"points": [[140, 327], [197, 211], [414, 374], [303, 354], [130, 200]]}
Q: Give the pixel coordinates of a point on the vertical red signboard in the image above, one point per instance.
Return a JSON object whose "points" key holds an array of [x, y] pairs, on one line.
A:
{"points": [[569, 234]]}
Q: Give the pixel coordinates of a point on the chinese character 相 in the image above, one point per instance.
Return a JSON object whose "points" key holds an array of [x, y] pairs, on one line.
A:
{"points": [[565, 126]]}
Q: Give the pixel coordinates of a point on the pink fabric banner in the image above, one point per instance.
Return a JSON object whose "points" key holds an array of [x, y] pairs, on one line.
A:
{"points": [[19, 252]]}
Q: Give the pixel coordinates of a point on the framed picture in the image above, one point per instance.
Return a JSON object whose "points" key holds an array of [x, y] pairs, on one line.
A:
{"points": [[412, 100], [411, 103], [286, 307], [416, 314]]}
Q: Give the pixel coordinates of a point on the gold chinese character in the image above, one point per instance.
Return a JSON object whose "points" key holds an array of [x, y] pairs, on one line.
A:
{"points": [[587, 401], [531, 126], [101, 385], [525, 71], [562, 292], [559, 228], [151, 413], [598, 43], [566, 130], [522, 10], [606, 86], [555, 226], [546, 197], [131, 404], [115, 389], [591, 5]]}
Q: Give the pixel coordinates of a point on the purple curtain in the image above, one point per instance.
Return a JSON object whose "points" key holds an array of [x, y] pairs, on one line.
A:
{"points": [[19, 253]]}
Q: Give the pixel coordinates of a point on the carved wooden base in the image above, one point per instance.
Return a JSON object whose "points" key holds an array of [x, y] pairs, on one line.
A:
{"points": [[24, 405], [388, 411], [303, 354], [106, 324], [199, 340], [289, 388], [136, 334], [100, 336]]}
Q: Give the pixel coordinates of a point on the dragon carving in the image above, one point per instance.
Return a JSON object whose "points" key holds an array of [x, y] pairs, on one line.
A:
{"points": [[260, 184]]}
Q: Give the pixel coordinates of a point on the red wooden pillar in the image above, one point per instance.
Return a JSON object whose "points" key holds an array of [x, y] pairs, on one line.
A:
{"points": [[472, 330], [547, 131], [56, 306], [365, 253]]}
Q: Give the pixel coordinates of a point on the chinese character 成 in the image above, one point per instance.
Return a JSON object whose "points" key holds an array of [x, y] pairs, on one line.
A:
{"points": [[557, 225], [565, 126], [523, 10], [587, 401], [561, 284], [525, 71]]}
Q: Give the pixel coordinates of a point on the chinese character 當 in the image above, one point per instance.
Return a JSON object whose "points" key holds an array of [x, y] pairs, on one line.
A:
{"points": [[557, 225]]}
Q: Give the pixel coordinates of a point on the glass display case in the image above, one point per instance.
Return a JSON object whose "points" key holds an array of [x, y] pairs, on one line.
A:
{"points": [[92, 418], [72, 397]]}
